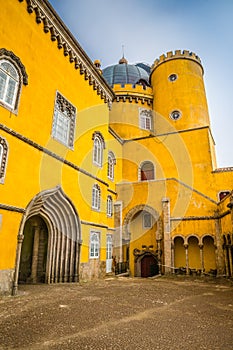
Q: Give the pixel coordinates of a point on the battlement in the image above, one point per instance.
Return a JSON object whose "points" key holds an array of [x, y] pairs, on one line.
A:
{"points": [[133, 93], [134, 88], [179, 54]]}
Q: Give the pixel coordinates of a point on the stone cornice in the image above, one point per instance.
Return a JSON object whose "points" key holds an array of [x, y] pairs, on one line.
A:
{"points": [[44, 13], [12, 208], [223, 170]]}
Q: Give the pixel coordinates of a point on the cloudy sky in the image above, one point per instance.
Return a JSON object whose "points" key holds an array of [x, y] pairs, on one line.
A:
{"points": [[149, 28]]}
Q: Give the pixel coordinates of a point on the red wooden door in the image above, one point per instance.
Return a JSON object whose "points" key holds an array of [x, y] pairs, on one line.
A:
{"points": [[149, 266]]}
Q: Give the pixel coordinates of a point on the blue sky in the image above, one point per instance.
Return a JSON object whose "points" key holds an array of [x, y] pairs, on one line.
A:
{"points": [[150, 28]]}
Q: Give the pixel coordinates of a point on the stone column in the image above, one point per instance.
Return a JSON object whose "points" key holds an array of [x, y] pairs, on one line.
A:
{"points": [[173, 257], [35, 253], [167, 235], [186, 258], [226, 260], [219, 250], [201, 258], [230, 259], [158, 238], [18, 255]]}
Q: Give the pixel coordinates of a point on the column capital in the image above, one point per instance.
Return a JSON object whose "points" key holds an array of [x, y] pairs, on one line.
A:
{"points": [[20, 238]]}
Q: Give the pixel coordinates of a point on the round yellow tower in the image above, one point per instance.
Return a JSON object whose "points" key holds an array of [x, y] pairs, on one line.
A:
{"points": [[178, 89]]}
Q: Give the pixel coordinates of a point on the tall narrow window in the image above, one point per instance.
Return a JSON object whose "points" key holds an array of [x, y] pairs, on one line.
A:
{"points": [[111, 164], [147, 220], [109, 247], [3, 158], [109, 206], [64, 121], [109, 254], [9, 83], [145, 119], [96, 197], [147, 171], [12, 76], [98, 146], [94, 244]]}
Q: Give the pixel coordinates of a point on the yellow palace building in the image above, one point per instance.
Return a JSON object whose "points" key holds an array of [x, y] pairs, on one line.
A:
{"points": [[103, 171]]}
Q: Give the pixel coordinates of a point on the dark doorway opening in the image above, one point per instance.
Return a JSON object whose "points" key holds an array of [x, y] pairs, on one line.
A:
{"points": [[32, 268]]}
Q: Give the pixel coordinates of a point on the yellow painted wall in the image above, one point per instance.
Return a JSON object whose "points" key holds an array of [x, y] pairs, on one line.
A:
{"points": [[182, 151], [186, 94], [30, 171]]}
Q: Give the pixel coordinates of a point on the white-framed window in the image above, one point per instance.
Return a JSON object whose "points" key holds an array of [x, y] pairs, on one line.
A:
{"points": [[96, 197], [9, 83], [3, 158], [147, 220], [145, 119], [64, 118], [109, 206], [94, 244], [98, 146], [12, 76], [109, 247], [111, 165]]}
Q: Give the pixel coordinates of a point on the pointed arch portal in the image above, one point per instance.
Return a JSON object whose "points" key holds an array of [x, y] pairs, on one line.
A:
{"points": [[50, 241]]}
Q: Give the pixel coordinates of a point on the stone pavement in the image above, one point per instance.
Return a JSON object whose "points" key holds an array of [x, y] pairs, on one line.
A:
{"points": [[120, 313]]}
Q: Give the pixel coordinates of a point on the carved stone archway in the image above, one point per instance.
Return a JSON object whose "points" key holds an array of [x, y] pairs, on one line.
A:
{"points": [[132, 212], [64, 235], [147, 262]]}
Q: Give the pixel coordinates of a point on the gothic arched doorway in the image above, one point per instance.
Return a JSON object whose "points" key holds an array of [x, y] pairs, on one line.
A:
{"points": [[54, 256], [33, 260]]}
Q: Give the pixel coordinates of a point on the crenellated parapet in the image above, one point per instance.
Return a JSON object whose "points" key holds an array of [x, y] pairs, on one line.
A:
{"points": [[133, 93], [178, 54], [52, 24]]}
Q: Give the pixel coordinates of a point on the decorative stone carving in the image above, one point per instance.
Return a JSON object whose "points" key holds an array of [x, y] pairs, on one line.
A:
{"points": [[9, 55], [3, 158], [70, 46]]}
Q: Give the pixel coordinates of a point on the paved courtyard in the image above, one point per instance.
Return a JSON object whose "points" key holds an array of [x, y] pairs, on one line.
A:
{"points": [[120, 313]]}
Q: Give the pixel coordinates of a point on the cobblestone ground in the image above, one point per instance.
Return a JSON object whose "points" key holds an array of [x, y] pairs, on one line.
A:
{"points": [[120, 313]]}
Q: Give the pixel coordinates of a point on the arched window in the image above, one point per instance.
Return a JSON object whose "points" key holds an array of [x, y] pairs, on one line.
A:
{"points": [[98, 147], [109, 206], [147, 171], [111, 164], [9, 83], [12, 76], [96, 197], [3, 158], [94, 244]]}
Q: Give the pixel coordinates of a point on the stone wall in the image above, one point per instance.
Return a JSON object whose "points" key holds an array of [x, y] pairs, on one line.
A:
{"points": [[6, 281], [91, 270]]}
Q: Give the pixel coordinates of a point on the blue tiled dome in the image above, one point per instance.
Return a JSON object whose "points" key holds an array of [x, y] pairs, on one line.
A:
{"points": [[124, 73]]}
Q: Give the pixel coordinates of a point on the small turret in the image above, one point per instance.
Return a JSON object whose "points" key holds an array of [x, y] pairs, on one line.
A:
{"points": [[97, 64], [179, 92]]}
